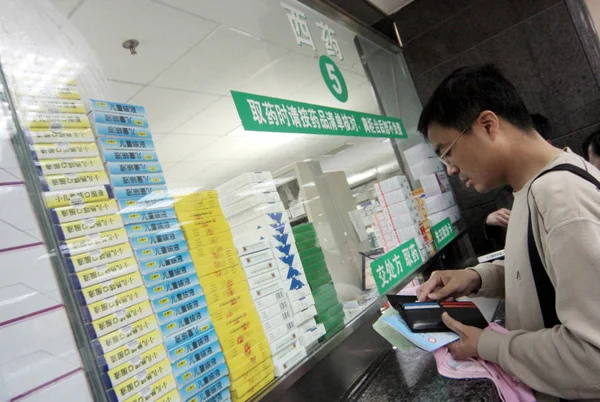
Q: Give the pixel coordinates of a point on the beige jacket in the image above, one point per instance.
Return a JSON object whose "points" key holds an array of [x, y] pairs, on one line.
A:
{"points": [[563, 361]]}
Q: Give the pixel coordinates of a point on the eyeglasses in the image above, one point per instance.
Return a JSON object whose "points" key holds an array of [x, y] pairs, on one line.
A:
{"points": [[444, 156]]}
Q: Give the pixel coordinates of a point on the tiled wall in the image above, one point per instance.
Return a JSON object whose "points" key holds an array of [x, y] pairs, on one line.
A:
{"points": [[535, 42], [39, 360]]}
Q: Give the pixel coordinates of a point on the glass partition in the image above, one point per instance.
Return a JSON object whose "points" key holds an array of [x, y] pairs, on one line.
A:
{"points": [[223, 186]]}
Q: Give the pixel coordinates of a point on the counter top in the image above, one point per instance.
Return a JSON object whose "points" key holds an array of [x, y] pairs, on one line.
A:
{"points": [[412, 376]]}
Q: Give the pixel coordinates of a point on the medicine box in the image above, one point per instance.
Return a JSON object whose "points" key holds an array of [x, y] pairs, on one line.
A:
{"points": [[245, 179], [394, 183], [249, 202]]}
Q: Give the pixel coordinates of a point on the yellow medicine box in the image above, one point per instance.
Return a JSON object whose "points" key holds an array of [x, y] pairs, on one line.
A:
{"points": [[197, 196], [233, 273], [196, 214], [199, 242], [244, 363], [262, 373], [260, 384], [217, 294], [208, 265]]}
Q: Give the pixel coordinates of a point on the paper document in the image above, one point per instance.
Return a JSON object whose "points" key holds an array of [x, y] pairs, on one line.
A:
{"points": [[428, 341]]}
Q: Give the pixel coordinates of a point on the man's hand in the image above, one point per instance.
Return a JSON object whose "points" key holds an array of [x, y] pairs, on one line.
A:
{"points": [[444, 284], [466, 346], [498, 218]]}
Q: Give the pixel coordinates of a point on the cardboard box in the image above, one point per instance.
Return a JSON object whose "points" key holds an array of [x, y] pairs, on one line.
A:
{"points": [[127, 352], [418, 153], [122, 318], [402, 221], [257, 179], [274, 212], [394, 183], [292, 356], [426, 167], [249, 202], [122, 335], [305, 315], [195, 340]]}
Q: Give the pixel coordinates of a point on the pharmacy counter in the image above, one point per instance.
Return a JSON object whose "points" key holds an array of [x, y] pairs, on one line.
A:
{"points": [[411, 375]]}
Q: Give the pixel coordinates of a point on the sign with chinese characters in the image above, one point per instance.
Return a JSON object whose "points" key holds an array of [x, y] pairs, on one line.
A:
{"points": [[442, 233], [263, 113], [301, 30], [391, 268]]}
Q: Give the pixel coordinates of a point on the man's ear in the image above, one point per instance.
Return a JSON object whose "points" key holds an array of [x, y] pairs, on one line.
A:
{"points": [[489, 121]]}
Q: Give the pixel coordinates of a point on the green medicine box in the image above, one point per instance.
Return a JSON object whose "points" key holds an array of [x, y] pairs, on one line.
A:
{"points": [[312, 276], [307, 243], [304, 228], [331, 321], [326, 304], [334, 311], [319, 266], [322, 280], [307, 252], [312, 259], [324, 291]]}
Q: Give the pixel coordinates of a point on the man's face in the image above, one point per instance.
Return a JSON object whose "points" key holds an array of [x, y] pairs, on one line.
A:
{"points": [[472, 157], [592, 157]]}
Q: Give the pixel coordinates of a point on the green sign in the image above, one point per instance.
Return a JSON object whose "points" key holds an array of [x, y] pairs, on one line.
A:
{"points": [[263, 113], [442, 233], [391, 268], [333, 78]]}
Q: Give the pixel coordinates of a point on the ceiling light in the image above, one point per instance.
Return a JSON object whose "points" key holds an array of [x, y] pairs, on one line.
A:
{"points": [[339, 149]]}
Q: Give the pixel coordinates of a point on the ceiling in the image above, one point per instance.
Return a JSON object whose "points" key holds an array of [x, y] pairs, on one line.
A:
{"points": [[192, 53], [389, 7]]}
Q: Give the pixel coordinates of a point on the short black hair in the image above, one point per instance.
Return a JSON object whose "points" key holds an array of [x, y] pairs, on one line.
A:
{"points": [[542, 125], [594, 141], [468, 91]]}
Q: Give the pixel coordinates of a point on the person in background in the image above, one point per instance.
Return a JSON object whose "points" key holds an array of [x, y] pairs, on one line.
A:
{"points": [[479, 126], [591, 149], [497, 221]]}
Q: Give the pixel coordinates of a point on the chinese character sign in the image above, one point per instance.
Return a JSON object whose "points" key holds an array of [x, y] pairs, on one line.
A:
{"points": [[301, 30], [263, 113], [395, 266], [442, 233], [300, 27]]}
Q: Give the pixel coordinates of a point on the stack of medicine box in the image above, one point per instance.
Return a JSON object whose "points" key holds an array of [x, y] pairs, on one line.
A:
{"points": [[187, 360], [330, 317], [399, 219], [97, 252], [268, 254], [442, 206], [235, 319]]}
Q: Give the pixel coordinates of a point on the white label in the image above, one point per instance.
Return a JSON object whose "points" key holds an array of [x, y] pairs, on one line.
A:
{"points": [[76, 200], [141, 375]]}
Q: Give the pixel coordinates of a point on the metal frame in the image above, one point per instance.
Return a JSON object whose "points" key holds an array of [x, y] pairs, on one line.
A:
{"points": [[51, 242]]}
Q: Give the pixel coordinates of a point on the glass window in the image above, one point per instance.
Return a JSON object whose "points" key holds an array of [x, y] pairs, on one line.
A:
{"points": [[224, 185]]}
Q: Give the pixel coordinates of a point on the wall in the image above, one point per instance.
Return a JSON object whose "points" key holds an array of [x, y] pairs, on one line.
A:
{"points": [[535, 42]]}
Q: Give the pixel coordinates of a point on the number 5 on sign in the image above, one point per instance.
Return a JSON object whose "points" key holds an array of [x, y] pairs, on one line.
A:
{"points": [[333, 78]]}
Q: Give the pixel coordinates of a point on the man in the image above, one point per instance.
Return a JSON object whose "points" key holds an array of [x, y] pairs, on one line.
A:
{"points": [[478, 124], [591, 149], [497, 221]]}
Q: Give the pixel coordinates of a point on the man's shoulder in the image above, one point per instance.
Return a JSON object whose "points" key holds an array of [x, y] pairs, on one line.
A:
{"points": [[562, 195]]}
